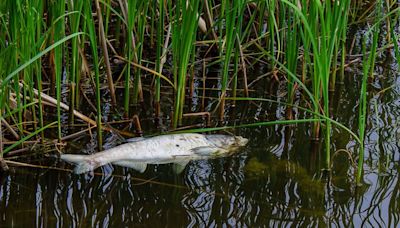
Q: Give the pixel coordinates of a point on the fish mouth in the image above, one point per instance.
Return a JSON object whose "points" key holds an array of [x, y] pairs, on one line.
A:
{"points": [[226, 142], [241, 141]]}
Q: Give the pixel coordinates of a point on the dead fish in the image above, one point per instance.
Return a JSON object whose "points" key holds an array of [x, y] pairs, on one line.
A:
{"points": [[175, 148]]}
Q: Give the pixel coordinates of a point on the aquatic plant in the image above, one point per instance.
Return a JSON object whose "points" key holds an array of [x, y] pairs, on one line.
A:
{"points": [[184, 27], [90, 53]]}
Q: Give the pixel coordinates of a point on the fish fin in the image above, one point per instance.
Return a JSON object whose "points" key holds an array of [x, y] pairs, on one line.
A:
{"points": [[178, 167], [136, 139], [140, 167], [203, 150], [84, 166], [83, 162]]}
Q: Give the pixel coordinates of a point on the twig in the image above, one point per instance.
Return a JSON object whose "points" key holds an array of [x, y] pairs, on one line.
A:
{"points": [[76, 134], [105, 53], [246, 91], [15, 134], [138, 126], [76, 113], [204, 86], [204, 114], [18, 151], [147, 69]]}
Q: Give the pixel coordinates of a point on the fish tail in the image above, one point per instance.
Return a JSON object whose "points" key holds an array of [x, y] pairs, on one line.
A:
{"points": [[84, 163]]}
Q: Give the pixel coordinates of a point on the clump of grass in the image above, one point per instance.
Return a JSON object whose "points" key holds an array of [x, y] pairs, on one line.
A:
{"points": [[395, 37], [184, 27], [160, 55], [231, 11], [58, 18], [368, 70], [322, 26], [291, 54], [305, 40], [93, 44], [75, 66]]}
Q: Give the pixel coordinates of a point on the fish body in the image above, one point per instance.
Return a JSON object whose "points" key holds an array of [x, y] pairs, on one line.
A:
{"points": [[175, 148]]}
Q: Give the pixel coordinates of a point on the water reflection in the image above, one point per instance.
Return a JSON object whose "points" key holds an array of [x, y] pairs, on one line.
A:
{"points": [[239, 191]]}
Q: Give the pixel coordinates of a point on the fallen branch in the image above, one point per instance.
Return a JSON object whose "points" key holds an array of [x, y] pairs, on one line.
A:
{"points": [[81, 116]]}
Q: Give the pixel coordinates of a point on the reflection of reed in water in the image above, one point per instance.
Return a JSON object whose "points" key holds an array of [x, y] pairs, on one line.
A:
{"points": [[216, 196], [209, 193]]}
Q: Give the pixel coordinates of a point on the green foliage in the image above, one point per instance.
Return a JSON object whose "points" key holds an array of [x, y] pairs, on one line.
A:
{"points": [[322, 27], [368, 70], [233, 13], [50, 47], [184, 27], [93, 44]]}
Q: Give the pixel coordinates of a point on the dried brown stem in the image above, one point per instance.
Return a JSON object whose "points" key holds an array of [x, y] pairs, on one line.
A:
{"points": [[103, 39], [138, 126], [15, 134], [203, 114], [246, 91], [81, 116], [209, 20]]}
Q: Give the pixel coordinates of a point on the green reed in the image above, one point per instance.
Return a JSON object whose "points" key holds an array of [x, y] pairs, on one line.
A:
{"points": [[184, 27], [135, 17], [395, 37], [5, 86], [291, 54], [26, 45], [368, 70], [340, 49], [103, 41], [93, 44], [39, 9], [322, 26], [57, 18], [107, 17], [232, 12], [74, 70], [141, 29], [14, 35], [23, 37], [159, 54], [273, 28], [129, 13]]}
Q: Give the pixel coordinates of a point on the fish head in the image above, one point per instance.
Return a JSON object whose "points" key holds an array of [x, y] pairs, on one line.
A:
{"points": [[227, 142]]}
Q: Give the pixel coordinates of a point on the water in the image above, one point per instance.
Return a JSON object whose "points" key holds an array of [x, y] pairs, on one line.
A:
{"points": [[277, 180]]}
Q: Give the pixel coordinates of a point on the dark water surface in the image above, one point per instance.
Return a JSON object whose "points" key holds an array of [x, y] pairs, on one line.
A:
{"points": [[276, 180]]}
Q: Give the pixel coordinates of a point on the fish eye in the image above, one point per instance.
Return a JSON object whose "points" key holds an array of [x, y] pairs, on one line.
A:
{"points": [[177, 145]]}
